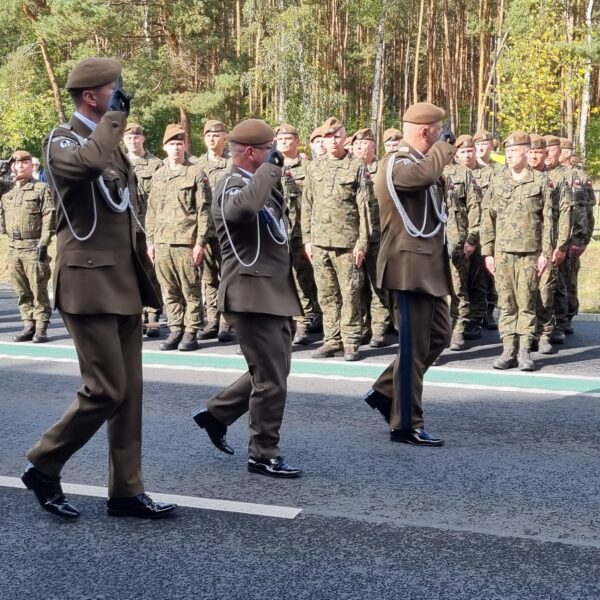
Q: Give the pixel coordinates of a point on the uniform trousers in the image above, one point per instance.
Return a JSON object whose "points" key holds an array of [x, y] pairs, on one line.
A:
{"points": [[211, 264], [546, 321], [109, 349], [304, 279], [424, 330], [30, 277], [151, 315], [376, 313], [266, 343]]}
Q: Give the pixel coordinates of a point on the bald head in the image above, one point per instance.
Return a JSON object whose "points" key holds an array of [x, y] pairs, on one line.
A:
{"points": [[421, 136]]}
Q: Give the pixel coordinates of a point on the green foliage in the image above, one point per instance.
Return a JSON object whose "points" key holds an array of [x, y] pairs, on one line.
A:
{"points": [[593, 147]]}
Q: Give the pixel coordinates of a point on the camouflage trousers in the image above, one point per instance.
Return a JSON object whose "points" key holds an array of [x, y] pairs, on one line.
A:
{"points": [[338, 282], [546, 321], [517, 284], [30, 277], [304, 277], [566, 301], [375, 302], [479, 288], [150, 315], [181, 285], [468, 302], [211, 266]]}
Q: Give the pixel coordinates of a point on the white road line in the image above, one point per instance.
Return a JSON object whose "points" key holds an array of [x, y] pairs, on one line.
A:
{"points": [[245, 508]]}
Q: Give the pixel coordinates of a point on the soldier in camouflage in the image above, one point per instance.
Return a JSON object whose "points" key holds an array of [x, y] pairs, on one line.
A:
{"points": [[29, 219], [391, 139], [335, 233], [178, 230], [317, 144], [484, 146], [516, 241]]}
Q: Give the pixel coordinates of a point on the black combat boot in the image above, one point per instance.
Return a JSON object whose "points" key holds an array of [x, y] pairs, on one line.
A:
{"points": [[27, 334], [489, 321], [152, 326], [173, 340], [41, 333]]}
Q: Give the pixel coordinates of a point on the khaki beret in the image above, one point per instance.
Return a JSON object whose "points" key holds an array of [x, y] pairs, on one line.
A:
{"points": [[252, 132], [286, 128], [552, 140], [133, 129], [483, 135], [566, 144], [537, 141], [214, 127], [517, 138], [316, 133], [392, 134], [173, 131], [330, 126], [363, 134], [93, 72], [423, 113], [348, 142], [21, 155], [465, 141]]}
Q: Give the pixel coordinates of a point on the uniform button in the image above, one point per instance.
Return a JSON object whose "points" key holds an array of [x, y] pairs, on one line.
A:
{"points": [[89, 262]]}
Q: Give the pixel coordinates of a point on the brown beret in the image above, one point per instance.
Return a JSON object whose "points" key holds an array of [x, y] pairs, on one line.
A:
{"points": [[465, 141], [252, 132], [566, 144], [317, 133], [552, 140], [423, 113], [173, 131], [21, 155], [330, 126], [482, 135], [392, 134], [517, 138], [214, 127], [133, 129], [537, 141], [286, 128], [363, 134], [93, 72]]}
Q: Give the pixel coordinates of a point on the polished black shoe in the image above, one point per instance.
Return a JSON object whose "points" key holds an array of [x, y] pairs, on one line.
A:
{"points": [[216, 431], [153, 331], [172, 342], [417, 437], [272, 467], [48, 492], [377, 401], [142, 507]]}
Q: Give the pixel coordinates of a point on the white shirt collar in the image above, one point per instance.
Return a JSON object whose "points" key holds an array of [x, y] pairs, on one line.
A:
{"points": [[88, 122]]}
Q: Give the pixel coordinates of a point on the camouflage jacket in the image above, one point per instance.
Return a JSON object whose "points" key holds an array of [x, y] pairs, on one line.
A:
{"points": [[562, 206], [334, 204], [582, 217], [483, 177], [464, 206], [215, 169], [28, 213], [293, 177], [517, 215], [144, 169], [179, 206], [374, 222]]}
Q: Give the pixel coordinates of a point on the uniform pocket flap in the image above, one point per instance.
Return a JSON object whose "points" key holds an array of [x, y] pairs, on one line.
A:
{"points": [[258, 270], [416, 246], [90, 259]]}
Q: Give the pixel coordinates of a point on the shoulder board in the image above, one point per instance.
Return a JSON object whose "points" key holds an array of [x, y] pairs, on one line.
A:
{"points": [[403, 149]]}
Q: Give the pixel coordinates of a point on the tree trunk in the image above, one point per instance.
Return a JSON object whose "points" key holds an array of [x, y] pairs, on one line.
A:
{"points": [[184, 121], [569, 72], [378, 77], [585, 97], [415, 97]]}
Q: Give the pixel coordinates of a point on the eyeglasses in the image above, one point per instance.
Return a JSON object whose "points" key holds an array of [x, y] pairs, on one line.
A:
{"points": [[265, 148]]}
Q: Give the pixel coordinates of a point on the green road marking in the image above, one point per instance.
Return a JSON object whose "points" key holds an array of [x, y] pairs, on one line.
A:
{"points": [[441, 376]]}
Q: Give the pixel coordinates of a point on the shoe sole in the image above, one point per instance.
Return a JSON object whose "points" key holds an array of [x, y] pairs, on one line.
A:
{"points": [[411, 443], [259, 471], [335, 354], [111, 512]]}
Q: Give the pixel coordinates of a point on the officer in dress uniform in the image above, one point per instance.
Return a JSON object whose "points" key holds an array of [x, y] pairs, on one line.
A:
{"points": [[413, 266], [100, 287], [257, 294]]}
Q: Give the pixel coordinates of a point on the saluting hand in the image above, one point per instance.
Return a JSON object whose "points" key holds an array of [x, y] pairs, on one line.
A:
{"points": [[490, 264], [359, 256], [198, 255]]}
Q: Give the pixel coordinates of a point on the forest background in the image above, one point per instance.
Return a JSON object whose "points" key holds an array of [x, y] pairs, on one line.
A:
{"points": [[532, 64]]}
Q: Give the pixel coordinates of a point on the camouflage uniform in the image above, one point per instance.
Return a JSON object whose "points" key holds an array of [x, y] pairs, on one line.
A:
{"points": [[176, 221], [334, 221], [29, 217]]}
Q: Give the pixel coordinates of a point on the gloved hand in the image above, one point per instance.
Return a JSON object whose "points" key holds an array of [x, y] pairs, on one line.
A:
{"points": [[120, 101], [275, 157], [42, 252], [5, 166], [447, 135]]}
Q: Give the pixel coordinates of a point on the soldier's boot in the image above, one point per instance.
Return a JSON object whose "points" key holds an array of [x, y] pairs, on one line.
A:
{"points": [[472, 332], [301, 338], [41, 333], [351, 354], [316, 323], [210, 331], [457, 343], [558, 336], [544, 345], [153, 326], [188, 342], [507, 360], [328, 350], [489, 321], [27, 334], [525, 361], [173, 340], [378, 340], [226, 333], [569, 329]]}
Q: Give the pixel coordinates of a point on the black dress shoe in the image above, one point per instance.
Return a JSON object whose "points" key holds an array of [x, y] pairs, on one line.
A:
{"points": [[417, 437], [142, 507], [377, 401], [272, 467], [215, 429], [48, 492]]}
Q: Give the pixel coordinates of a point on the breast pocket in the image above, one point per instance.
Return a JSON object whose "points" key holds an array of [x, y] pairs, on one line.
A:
{"points": [[186, 197], [533, 202]]}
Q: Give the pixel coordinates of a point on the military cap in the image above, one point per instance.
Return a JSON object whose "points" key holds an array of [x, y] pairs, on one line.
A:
{"points": [[483, 135], [392, 134], [465, 141], [133, 129], [537, 141], [316, 133], [92, 73], [173, 131], [423, 113], [517, 138], [330, 126], [21, 155], [212, 126], [252, 132], [363, 134], [287, 128], [348, 141], [552, 140], [566, 144]]}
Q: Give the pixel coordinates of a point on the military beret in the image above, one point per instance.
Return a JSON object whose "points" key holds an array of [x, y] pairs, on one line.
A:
{"points": [[316, 133], [517, 138], [133, 129], [392, 134], [93, 72], [348, 141], [21, 155], [363, 134], [173, 131], [287, 128], [552, 140], [213, 126], [537, 141], [330, 126], [252, 132], [465, 141], [423, 113], [566, 144], [482, 135]]}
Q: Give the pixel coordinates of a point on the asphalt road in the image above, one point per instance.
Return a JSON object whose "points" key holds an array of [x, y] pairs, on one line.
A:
{"points": [[509, 508]]}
